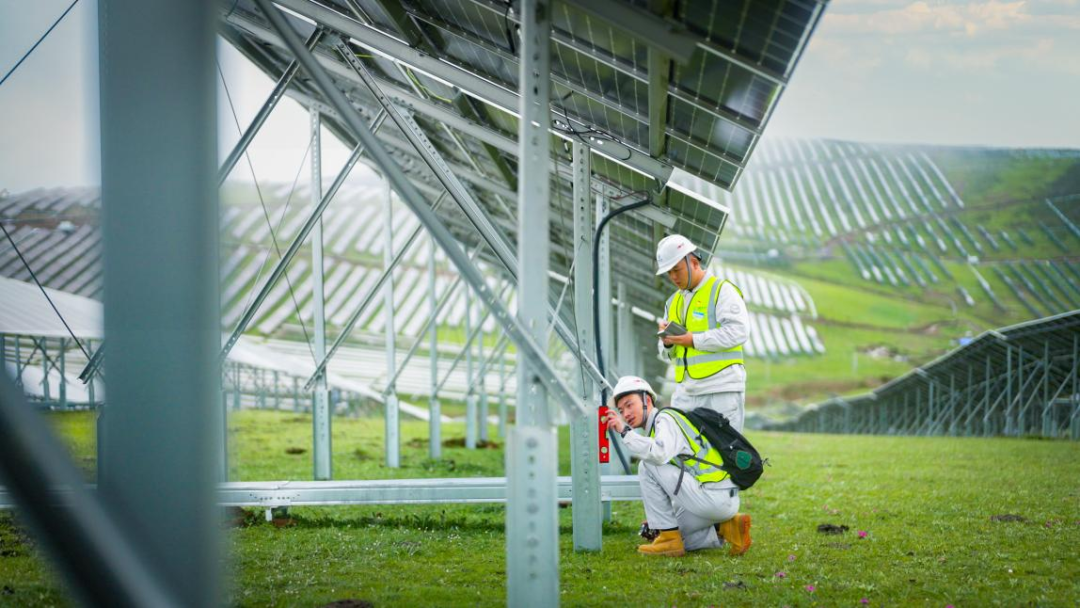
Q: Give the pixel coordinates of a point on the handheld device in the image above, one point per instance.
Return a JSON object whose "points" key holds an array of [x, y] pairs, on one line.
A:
{"points": [[672, 329]]}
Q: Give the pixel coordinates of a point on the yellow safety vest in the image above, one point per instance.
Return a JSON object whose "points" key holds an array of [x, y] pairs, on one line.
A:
{"points": [[700, 316], [706, 461]]}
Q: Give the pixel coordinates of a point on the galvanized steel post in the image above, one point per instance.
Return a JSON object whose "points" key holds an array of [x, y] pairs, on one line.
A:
{"points": [[393, 425], [434, 407], [470, 396], [320, 406], [584, 430], [532, 530], [606, 330], [161, 305]]}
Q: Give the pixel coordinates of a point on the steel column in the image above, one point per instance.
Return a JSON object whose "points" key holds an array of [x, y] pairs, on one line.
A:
{"points": [[1047, 410], [624, 352], [393, 424], [532, 523], [434, 407], [320, 400], [470, 397], [159, 218], [1074, 423], [503, 409], [584, 430], [607, 333], [479, 382], [1008, 390]]}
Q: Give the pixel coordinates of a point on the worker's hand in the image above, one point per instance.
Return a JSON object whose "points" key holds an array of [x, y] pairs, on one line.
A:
{"points": [[614, 422], [686, 339], [662, 324]]}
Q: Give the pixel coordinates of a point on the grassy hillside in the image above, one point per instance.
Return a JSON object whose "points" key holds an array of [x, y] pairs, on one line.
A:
{"points": [[931, 510], [998, 226]]}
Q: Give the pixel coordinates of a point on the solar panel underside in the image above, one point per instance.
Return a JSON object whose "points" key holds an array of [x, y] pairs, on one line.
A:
{"points": [[454, 65]]}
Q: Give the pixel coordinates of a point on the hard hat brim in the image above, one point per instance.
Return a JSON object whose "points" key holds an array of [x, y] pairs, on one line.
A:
{"points": [[665, 269]]}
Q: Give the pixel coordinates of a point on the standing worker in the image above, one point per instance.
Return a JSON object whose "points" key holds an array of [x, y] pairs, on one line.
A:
{"points": [[708, 357], [690, 504]]}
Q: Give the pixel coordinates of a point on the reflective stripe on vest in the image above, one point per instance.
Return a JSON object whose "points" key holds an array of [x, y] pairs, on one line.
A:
{"points": [[707, 460], [700, 364]]}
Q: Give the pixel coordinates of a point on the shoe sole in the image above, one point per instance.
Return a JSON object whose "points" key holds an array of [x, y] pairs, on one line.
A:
{"points": [[674, 553], [744, 532]]}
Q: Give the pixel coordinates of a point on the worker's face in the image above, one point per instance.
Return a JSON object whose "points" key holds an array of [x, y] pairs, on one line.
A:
{"points": [[632, 409], [679, 274]]}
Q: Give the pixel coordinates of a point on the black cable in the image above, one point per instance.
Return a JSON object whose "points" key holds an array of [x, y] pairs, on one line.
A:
{"points": [[42, 288], [40, 40], [596, 309], [506, 24]]}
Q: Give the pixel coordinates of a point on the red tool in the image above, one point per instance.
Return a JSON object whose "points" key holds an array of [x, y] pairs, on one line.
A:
{"points": [[605, 445]]}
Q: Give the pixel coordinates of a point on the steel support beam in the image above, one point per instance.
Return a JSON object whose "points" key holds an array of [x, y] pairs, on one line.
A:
{"points": [[503, 408], [314, 219], [162, 449], [481, 88], [456, 490], [448, 178], [369, 298], [532, 523], [527, 346], [264, 112], [426, 329], [322, 451], [434, 407], [393, 424], [464, 352], [607, 335], [101, 558], [479, 383], [1074, 421], [584, 431], [470, 382], [625, 343]]}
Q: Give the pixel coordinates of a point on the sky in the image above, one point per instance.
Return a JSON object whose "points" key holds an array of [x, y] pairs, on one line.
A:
{"points": [[941, 72]]}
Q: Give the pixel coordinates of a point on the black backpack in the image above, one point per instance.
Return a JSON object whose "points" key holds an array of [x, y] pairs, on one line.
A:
{"points": [[741, 461]]}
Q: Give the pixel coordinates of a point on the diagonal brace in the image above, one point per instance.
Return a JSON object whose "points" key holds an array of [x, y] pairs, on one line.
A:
{"points": [[294, 247], [545, 372], [499, 244]]}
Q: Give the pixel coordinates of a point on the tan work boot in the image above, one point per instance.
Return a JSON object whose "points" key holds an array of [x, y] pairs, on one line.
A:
{"points": [[736, 532], [669, 543]]}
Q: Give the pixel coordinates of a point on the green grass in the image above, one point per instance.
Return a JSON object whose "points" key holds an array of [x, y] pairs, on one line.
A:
{"points": [[925, 503], [854, 319]]}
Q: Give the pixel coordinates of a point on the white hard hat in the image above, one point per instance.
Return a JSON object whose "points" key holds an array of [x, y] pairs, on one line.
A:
{"points": [[671, 250], [631, 384]]}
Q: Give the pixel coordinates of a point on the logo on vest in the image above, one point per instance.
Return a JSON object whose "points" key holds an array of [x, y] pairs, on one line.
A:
{"points": [[699, 315]]}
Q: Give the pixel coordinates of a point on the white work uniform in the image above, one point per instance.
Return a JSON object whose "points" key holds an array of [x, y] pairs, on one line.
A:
{"points": [[724, 391], [697, 508]]}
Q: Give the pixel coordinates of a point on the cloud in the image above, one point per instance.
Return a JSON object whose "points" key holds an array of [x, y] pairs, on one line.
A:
{"points": [[843, 56], [967, 19], [1037, 52]]}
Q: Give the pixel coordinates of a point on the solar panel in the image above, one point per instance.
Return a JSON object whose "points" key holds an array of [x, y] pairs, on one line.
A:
{"points": [[671, 97]]}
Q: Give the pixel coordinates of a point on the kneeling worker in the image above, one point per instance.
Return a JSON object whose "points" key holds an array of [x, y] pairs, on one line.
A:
{"points": [[693, 505]]}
